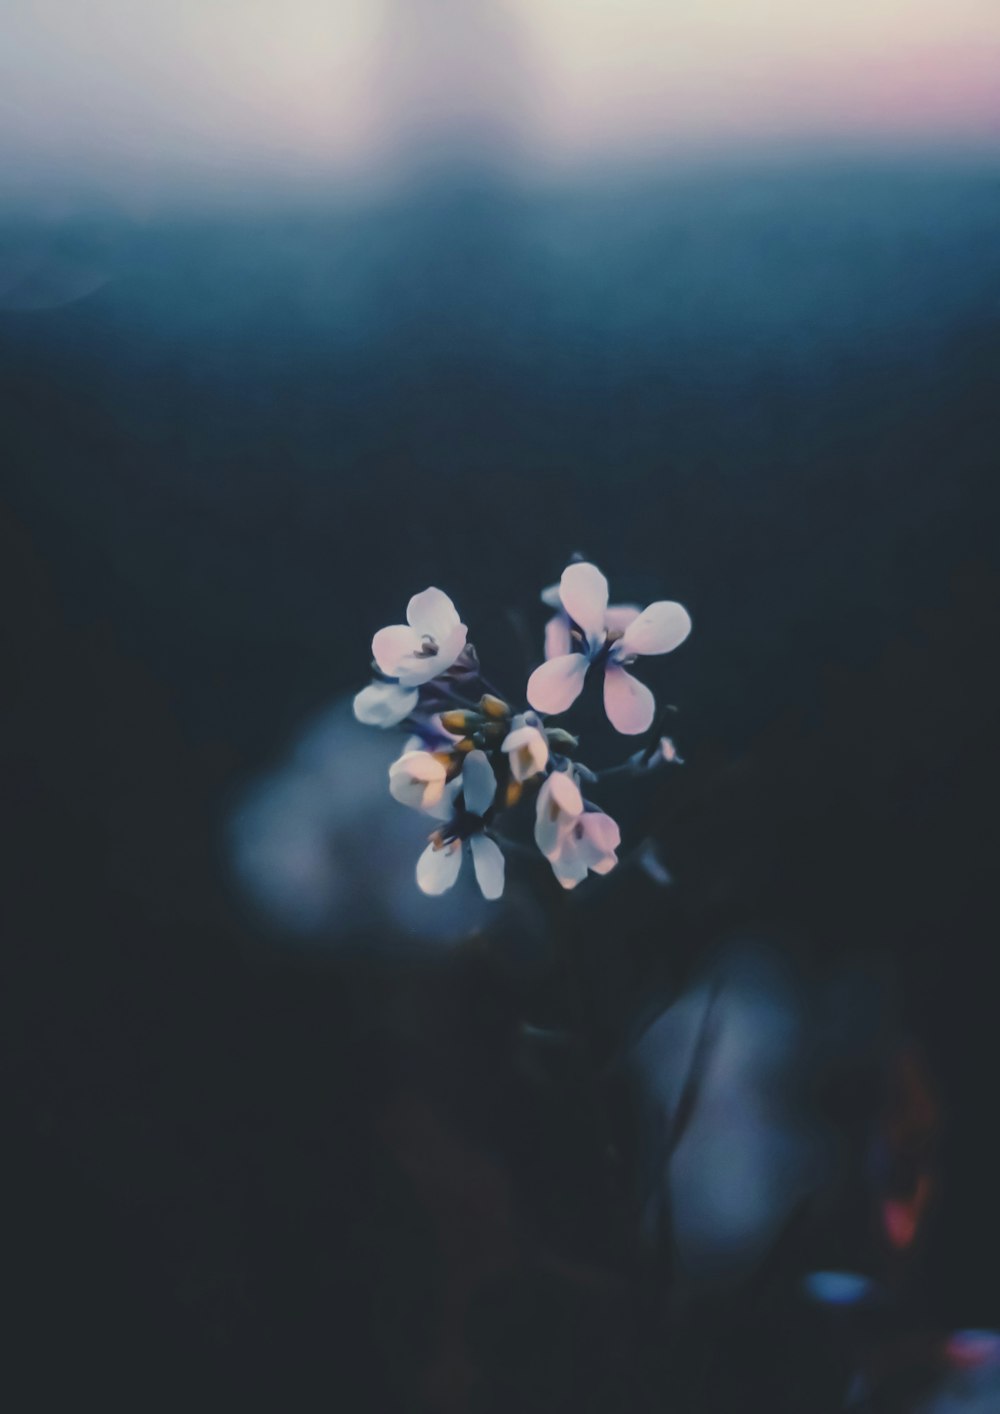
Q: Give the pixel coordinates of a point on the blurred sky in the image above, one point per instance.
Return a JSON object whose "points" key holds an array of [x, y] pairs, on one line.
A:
{"points": [[138, 97]]}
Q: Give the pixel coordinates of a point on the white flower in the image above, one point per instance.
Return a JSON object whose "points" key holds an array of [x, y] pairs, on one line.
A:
{"points": [[667, 751], [559, 629], [583, 593], [526, 747], [559, 804], [572, 838], [417, 779], [439, 865], [384, 704], [426, 645]]}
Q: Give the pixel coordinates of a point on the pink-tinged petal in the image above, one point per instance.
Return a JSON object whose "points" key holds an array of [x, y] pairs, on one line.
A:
{"points": [[592, 843], [565, 793], [384, 704], [488, 863], [432, 612], [392, 646], [619, 616], [558, 683], [628, 702], [478, 783], [659, 629], [584, 594], [558, 640], [559, 803], [437, 868], [451, 646], [599, 844], [547, 820], [601, 831]]}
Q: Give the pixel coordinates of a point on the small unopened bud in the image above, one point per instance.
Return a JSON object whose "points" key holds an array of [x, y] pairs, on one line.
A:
{"points": [[458, 722], [559, 737], [493, 706]]}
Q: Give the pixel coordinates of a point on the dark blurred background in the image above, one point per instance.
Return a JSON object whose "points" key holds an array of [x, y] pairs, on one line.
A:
{"points": [[300, 1166]]}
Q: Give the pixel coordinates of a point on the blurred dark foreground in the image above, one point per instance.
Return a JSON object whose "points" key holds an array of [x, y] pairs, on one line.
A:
{"points": [[303, 1168]]}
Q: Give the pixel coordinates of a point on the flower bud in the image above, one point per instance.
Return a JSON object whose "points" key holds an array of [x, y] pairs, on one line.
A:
{"points": [[460, 722], [493, 706]]}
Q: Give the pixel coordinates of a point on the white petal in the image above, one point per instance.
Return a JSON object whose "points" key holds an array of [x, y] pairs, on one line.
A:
{"points": [[478, 782], [559, 804], [417, 779], [547, 820], [536, 751], [628, 702], [558, 683], [550, 596], [488, 862], [393, 646], [432, 612], [528, 751], [597, 837], [515, 740], [584, 594], [418, 668], [658, 629], [384, 704], [601, 831], [569, 870], [451, 646], [565, 792], [558, 641], [437, 869]]}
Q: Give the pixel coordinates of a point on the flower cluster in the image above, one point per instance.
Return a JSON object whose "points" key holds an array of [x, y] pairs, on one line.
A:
{"points": [[471, 756]]}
